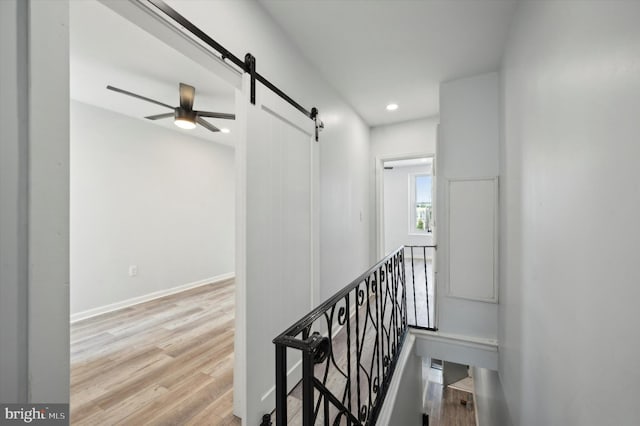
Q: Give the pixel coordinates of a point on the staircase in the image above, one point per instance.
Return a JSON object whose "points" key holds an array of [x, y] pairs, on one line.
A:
{"points": [[350, 345]]}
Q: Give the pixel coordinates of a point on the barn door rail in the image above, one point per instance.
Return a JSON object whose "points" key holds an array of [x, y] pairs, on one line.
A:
{"points": [[248, 65]]}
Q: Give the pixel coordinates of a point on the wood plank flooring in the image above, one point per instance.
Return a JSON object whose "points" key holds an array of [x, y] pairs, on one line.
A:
{"points": [[444, 405], [165, 362], [170, 362]]}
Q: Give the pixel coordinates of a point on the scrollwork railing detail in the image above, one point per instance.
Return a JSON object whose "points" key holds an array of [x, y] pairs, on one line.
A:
{"points": [[349, 347]]}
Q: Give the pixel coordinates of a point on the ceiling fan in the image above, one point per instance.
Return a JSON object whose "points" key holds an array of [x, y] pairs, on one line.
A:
{"points": [[184, 116]]}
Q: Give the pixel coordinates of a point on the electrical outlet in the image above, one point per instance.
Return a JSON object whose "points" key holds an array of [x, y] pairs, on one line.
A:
{"points": [[133, 270]]}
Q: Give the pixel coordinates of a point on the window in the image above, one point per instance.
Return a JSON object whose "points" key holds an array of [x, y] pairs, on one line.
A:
{"points": [[421, 206]]}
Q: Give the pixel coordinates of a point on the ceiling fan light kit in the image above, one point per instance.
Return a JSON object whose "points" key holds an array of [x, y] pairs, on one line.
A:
{"points": [[184, 119]]}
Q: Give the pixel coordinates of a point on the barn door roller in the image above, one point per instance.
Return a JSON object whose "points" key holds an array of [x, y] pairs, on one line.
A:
{"points": [[248, 65]]}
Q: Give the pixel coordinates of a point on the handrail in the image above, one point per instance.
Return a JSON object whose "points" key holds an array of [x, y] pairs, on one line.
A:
{"points": [[423, 311], [372, 319], [304, 322], [367, 320]]}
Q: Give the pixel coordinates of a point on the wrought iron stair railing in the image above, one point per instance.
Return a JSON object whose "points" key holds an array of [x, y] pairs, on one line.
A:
{"points": [[420, 286], [349, 346]]}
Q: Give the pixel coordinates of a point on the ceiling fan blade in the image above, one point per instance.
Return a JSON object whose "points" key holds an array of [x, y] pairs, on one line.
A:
{"points": [[115, 89], [187, 93], [207, 125], [216, 115], [159, 116]]}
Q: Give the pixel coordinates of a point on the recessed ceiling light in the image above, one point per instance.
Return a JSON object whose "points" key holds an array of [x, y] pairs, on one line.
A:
{"points": [[392, 107], [225, 130]]}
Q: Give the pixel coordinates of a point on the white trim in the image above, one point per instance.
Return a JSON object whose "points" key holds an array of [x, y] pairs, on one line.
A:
{"points": [[296, 372], [379, 178], [496, 191], [458, 339], [89, 313], [469, 350], [384, 417], [240, 341], [411, 231]]}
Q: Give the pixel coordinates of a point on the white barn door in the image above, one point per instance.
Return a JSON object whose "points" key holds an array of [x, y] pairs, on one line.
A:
{"points": [[277, 237]]}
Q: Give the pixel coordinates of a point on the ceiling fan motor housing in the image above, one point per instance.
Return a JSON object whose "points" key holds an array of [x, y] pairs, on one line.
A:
{"points": [[184, 115]]}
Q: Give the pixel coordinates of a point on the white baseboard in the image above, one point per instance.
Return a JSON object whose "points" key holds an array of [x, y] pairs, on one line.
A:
{"points": [[147, 297], [268, 401]]}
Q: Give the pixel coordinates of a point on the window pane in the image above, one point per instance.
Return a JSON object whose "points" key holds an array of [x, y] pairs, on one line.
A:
{"points": [[423, 189], [423, 213]]}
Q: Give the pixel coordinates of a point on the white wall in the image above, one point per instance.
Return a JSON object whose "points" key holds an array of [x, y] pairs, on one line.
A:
{"points": [[468, 148], [13, 198], [148, 196], [402, 140], [396, 209], [491, 407], [408, 137], [344, 214], [244, 26], [569, 338]]}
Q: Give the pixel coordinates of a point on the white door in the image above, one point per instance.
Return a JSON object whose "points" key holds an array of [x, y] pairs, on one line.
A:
{"points": [[277, 238]]}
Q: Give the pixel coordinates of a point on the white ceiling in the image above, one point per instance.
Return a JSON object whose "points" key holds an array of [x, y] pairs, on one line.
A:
{"points": [[107, 49], [378, 52], [373, 52]]}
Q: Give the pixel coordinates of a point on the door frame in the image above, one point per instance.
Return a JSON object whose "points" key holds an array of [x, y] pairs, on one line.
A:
{"points": [[379, 193]]}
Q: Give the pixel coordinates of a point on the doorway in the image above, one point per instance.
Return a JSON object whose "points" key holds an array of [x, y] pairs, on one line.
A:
{"points": [[406, 191], [152, 252], [407, 196]]}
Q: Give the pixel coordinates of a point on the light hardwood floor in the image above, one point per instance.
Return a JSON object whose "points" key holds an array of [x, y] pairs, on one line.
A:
{"points": [[170, 362], [165, 362], [444, 405]]}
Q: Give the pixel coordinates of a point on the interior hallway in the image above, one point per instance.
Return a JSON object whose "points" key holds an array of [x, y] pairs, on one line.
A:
{"points": [[167, 361]]}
